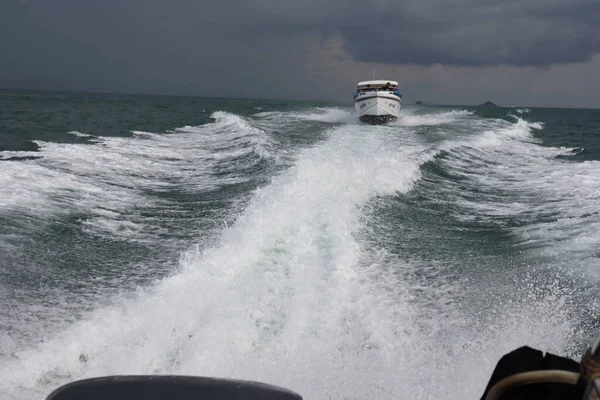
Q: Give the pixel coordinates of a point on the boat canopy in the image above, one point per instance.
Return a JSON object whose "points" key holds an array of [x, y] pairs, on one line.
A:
{"points": [[376, 84]]}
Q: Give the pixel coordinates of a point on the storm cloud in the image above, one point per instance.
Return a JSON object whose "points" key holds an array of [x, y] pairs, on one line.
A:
{"points": [[458, 32], [280, 47]]}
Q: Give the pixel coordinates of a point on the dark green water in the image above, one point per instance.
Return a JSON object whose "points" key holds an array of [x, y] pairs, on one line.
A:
{"points": [[285, 241]]}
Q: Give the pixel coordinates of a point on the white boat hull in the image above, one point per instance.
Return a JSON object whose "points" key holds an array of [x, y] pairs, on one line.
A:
{"points": [[377, 107]]}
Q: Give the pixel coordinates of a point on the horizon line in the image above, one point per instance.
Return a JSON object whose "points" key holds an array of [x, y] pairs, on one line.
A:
{"points": [[278, 99]]}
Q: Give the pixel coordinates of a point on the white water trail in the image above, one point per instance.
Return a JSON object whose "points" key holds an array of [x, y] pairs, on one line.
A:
{"points": [[282, 277], [292, 296]]}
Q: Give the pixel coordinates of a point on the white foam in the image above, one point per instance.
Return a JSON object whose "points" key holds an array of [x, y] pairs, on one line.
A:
{"points": [[114, 174], [345, 116], [79, 134], [232, 136], [441, 118], [111, 227], [26, 185], [489, 136], [293, 294], [523, 110], [7, 154], [331, 115], [521, 180], [283, 279], [146, 135]]}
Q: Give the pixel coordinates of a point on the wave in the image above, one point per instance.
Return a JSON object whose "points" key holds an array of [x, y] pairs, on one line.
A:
{"points": [[569, 152], [118, 173], [330, 115], [441, 118], [295, 290], [344, 116], [284, 281], [291, 293], [231, 131], [516, 182], [8, 155]]}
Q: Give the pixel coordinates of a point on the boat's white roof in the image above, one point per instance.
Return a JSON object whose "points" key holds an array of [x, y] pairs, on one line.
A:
{"points": [[377, 83]]}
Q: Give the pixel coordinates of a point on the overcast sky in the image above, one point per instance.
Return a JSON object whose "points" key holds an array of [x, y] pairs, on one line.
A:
{"points": [[525, 52]]}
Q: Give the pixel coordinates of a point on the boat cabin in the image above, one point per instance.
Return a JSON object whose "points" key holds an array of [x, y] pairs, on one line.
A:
{"points": [[370, 86]]}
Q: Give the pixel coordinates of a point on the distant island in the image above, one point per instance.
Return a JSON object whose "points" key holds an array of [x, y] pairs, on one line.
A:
{"points": [[488, 104], [419, 102]]}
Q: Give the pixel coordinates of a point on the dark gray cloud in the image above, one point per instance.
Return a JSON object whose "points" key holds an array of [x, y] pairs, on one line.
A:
{"points": [[129, 45], [277, 48], [460, 32]]}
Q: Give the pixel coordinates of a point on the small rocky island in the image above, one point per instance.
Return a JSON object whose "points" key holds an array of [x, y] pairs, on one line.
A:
{"points": [[419, 102], [488, 104]]}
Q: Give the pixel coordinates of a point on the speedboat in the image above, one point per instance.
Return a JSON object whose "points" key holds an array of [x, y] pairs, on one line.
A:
{"points": [[377, 101]]}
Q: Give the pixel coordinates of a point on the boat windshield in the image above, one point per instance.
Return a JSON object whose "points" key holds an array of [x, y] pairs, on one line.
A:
{"points": [[364, 89]]}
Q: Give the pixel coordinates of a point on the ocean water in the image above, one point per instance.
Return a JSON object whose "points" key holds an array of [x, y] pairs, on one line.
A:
{"points": [[288, 243]]}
